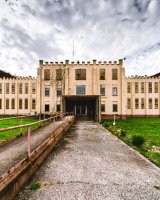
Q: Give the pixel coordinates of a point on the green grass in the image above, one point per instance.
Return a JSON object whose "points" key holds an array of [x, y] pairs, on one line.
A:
{"points": [[148, 128], [15, 122]]}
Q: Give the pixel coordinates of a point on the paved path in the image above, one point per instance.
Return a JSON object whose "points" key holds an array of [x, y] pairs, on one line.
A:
{"points": [[13, 152], [93, 164]]}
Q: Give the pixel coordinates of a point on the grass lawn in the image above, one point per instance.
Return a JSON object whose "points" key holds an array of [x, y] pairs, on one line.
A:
{"points": [[14, 122], [148, 128]]}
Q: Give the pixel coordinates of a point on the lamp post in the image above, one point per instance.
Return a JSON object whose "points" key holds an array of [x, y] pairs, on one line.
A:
{"points": [[114, 120]]}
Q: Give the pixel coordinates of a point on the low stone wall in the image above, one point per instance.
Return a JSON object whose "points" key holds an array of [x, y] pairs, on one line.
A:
{"points": [[11, 184]]}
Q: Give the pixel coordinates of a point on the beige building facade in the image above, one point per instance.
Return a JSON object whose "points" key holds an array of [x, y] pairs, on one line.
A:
{"points": [[89, 89]]}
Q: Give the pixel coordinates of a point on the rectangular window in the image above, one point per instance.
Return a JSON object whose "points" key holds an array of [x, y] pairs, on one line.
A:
{"points": [[136, 103], [150, 103], [156, 103], [150, 87], [33, 104], [114, 74], [80, 74], [59, 74], [0, 88], [46, 107], [26, 88], [7, 103], [58, 107], [142, 87], [156, 87], [80, 89], [129, 87], [33, 88], [136, 87], [13, 103], [115, 107], [46, 74], [142, 103], [26, 104], [20, 88], [7, 88], [47, 92], [102, 74], [0, 103], [114, 91], [20, 103], [13, 88], [128, 103], [102, 107], [59, 91], [102, 90]]}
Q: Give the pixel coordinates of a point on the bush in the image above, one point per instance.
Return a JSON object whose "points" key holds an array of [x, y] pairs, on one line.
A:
{"points": [[137, 140], [122, 133], [106, 124], [35, 186]]}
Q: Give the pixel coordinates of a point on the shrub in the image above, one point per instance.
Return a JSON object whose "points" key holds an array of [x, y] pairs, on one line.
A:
{"points": [[106, 124], [137, 140], [35, 186], [122, 133]]}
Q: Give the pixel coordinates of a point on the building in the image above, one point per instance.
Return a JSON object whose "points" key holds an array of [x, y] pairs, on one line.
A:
{"points": [[89, 89]]}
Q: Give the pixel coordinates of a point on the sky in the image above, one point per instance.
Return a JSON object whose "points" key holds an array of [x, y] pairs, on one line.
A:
{"points": [[101, 29]]}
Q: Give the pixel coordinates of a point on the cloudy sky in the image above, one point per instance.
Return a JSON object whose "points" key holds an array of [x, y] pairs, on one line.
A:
{"points": [[101, 29]]}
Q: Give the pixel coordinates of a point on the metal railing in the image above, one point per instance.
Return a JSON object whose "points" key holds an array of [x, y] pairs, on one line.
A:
{"points": [[50, 119]]}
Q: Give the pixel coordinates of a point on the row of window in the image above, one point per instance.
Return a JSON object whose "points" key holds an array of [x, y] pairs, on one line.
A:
{"points": [[47, 108], [140, 103], [20, 104], [140, 87], [80, 74], [58, 91], [10, 88], [114, 107]]}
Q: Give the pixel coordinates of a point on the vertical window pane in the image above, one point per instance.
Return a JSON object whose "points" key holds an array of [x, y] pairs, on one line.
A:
{"points": [[13, 88], [142, 103], [0, 103], [114, 91], [150, 103], [33, 88], [136, 87], [47, 74], [142, 87], [26, 104], [46, 107], [128, 103], [26, 88], [115, 107], [7, 88], [156, 87], [59, 91], [47, 91], [156, 103], [136, 103], [150, 87], [102, 74], [102, 90], [58, 108], [59, 74], [114, 74], [80, 74], [0, 88], [13, 104], [33, 104], [20, 103], [129, 87], [102, 107], [7, 103], [20, 88]]}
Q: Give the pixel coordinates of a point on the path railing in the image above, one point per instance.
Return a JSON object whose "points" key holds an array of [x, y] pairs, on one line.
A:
{"points": [[50, 119]]}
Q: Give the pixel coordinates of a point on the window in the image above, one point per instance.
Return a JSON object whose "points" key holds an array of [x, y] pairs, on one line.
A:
{"points": [[115, 107], [46, 107], [128, 103], [156, 87], [0, 88], [20, 88], [13, 88], [142, 103], [7, 103], [47, 74], [13, 103], [142, 87], [150, 103], [7, 88], [80, 74], [102, 90], [58, 108], [156, 103], [136, 87], [26, 104], [129, 87], [136, 103], [102, 74], [150, 87], [80, 89], [59, 91], [114, 91], [20, 103], [114, 74], [102, 107], [0, 103], [59, 74], [26, 88], [47, 92], [33, 104], [33, 88]]}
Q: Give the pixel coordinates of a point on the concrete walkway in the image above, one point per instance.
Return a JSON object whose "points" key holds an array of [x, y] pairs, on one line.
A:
{"points": [[15, 151], [93, 164]]}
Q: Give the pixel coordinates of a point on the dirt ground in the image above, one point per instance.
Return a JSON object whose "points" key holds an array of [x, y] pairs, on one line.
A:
{"points": [[91, 163]]}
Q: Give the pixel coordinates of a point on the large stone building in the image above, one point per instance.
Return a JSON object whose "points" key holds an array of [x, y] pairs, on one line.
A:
{"points": [[88, 89]]}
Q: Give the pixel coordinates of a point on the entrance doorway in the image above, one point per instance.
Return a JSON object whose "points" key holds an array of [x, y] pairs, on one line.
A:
{"points": [[84, 107]]}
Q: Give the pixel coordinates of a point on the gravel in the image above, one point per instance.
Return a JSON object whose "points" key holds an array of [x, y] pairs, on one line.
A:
{"points": [[91, 163]]}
